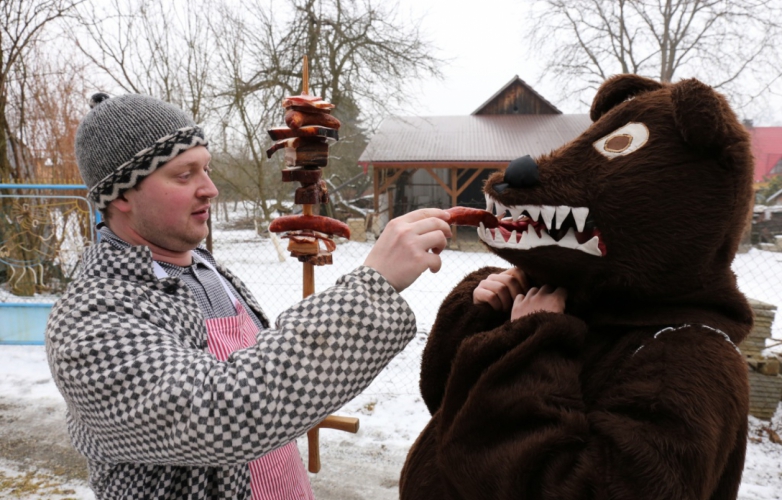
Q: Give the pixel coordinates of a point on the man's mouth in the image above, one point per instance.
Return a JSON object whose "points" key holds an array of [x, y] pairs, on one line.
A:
{"points": [[523, 227], [201, 212]]}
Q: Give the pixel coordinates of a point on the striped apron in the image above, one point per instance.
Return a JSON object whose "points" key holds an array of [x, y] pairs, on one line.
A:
{"points": [[280, 474]]}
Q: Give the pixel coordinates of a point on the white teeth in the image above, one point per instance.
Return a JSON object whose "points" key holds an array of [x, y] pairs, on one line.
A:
{"points": [[569, 240], [532, 210], [548, 215], [489, 204], [526, 240], [562, 213], [529, 238], [591, 247], [580, 214]]}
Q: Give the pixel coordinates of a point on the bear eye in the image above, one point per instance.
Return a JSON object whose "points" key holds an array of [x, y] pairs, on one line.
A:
{"points": [[623, 141]]}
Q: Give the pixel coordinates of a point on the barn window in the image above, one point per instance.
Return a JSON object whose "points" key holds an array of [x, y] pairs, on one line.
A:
{"points": [[777, 168]]}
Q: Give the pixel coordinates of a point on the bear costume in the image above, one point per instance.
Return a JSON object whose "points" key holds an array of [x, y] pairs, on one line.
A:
{"points": [[637, 390]]}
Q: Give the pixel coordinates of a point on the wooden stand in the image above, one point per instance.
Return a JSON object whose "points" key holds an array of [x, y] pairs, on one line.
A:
{"points": [[347, 424]]}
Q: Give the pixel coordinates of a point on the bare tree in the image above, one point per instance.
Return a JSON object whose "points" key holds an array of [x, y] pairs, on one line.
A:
{"points": [[359, 50], [149, 47], [735, 46], [22, 25], [362, 59]]}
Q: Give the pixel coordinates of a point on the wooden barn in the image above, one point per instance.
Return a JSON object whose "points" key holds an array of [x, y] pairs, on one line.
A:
{"points": [[442, 161]]}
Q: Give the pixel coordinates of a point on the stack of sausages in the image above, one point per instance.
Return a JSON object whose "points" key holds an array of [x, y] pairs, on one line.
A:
{"points": [[310, 130]]}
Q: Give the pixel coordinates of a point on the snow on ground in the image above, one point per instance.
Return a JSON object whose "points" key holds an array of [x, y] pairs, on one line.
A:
{"points": [[367, 464]]}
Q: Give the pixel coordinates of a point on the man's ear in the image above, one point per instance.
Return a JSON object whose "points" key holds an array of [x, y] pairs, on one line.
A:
{"points": [[617, 90], [702, 116], [120, 203]]}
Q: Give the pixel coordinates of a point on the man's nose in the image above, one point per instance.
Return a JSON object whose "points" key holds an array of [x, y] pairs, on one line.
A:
{"points": [[208, 189], [521, 173]]}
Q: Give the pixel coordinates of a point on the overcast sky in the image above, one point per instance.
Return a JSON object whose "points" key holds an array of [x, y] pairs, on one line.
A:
{"points": [[483, 41]]}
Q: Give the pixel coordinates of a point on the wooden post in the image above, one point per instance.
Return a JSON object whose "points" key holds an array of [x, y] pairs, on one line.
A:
{"points": [[349, 424], [309, 269], [454, 195]]}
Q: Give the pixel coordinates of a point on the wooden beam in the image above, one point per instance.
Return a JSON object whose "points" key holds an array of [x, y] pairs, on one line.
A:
{"points": [[390, 181], [376, 182], [469, 181], [454, 194], [440, 181]]}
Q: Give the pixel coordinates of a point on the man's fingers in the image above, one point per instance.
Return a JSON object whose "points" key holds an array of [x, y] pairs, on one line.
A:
{"points": [[424, 213], [431, 224], [434, 241], [433, 262]]}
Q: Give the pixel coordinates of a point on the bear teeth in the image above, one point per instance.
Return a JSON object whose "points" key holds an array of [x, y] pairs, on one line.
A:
{"points": [[552, 217]]}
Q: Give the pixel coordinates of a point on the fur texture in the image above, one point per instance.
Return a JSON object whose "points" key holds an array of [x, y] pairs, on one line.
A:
{"points": [[634, 392]]}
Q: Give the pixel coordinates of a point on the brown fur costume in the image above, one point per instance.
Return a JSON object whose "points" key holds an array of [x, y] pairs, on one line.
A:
{"points": [[634, 392]]}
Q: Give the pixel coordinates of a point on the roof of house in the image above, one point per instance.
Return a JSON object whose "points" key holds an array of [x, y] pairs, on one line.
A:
{"points": [[473, 138], [505, 87], [767, 149]]}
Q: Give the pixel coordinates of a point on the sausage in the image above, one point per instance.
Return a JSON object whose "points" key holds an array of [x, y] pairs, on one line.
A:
{"points": [[297, 119], [464, 216], [318, 223], [311, 236]]}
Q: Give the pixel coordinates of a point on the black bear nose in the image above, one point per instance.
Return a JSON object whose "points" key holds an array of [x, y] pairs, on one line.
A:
{"points": [[522, 172]]}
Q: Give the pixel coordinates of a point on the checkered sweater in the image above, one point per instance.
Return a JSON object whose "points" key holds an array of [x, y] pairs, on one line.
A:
{"points": [[158, 417]]}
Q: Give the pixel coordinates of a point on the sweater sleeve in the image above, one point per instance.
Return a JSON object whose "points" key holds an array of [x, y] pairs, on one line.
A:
{"points": [[137, 391], [514, 422]]}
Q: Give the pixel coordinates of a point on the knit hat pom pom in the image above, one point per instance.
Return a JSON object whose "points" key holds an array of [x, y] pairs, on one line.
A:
{"points": [[98, 98]]}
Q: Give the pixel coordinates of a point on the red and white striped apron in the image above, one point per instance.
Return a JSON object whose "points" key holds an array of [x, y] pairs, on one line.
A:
{"points": [[280, 474]]}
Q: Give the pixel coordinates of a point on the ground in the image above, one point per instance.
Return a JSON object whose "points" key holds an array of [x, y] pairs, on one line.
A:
{"points": [[38, 462]]}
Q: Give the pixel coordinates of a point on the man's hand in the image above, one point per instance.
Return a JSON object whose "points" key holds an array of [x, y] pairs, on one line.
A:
{"points": [[410, 245], [547, 298], [500, 290]]}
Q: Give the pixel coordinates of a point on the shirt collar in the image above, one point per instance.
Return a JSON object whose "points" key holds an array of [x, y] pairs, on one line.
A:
{"points": [[172, 270]]}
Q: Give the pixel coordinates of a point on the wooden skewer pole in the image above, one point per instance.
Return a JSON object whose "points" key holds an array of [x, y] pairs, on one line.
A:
{"points": [[305, 77], [347, 424]]}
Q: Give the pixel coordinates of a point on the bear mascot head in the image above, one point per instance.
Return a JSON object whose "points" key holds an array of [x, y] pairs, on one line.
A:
{"points": [[637, 389]]}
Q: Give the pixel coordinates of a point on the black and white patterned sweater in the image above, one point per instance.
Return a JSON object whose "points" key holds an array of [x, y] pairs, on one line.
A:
{"points": [[158, 417]]}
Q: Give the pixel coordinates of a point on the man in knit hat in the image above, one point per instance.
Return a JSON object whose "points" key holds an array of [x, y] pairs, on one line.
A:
{"points": [[176, 383]]}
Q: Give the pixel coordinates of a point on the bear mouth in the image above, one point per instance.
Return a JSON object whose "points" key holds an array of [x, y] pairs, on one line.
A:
{"points": [[523, 227]]}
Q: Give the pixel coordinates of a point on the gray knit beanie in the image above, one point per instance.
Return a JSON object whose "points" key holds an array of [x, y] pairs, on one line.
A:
{"points": [[124, 139]]}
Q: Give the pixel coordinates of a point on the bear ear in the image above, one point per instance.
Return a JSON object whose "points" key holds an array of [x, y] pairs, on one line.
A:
{"points": [[617, 90], [702, 116]]}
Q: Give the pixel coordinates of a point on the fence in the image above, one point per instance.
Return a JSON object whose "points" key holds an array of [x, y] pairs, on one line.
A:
{"points": [[42, 236], [276, 279]]}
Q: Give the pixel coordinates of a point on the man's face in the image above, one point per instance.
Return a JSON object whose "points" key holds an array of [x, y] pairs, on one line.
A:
{"points": [[171, 206]]}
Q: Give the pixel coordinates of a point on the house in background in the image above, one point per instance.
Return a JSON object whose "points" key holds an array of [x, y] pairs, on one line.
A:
{"points": [[767, 149], [442, 161]]}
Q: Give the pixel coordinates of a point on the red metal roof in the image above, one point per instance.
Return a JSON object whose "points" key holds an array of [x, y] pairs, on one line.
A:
{"points": [[767, 148], [470, 138]]}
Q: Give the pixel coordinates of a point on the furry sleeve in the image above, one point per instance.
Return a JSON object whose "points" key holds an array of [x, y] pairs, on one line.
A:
{"points": [[457, 319], [513, 422]]}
